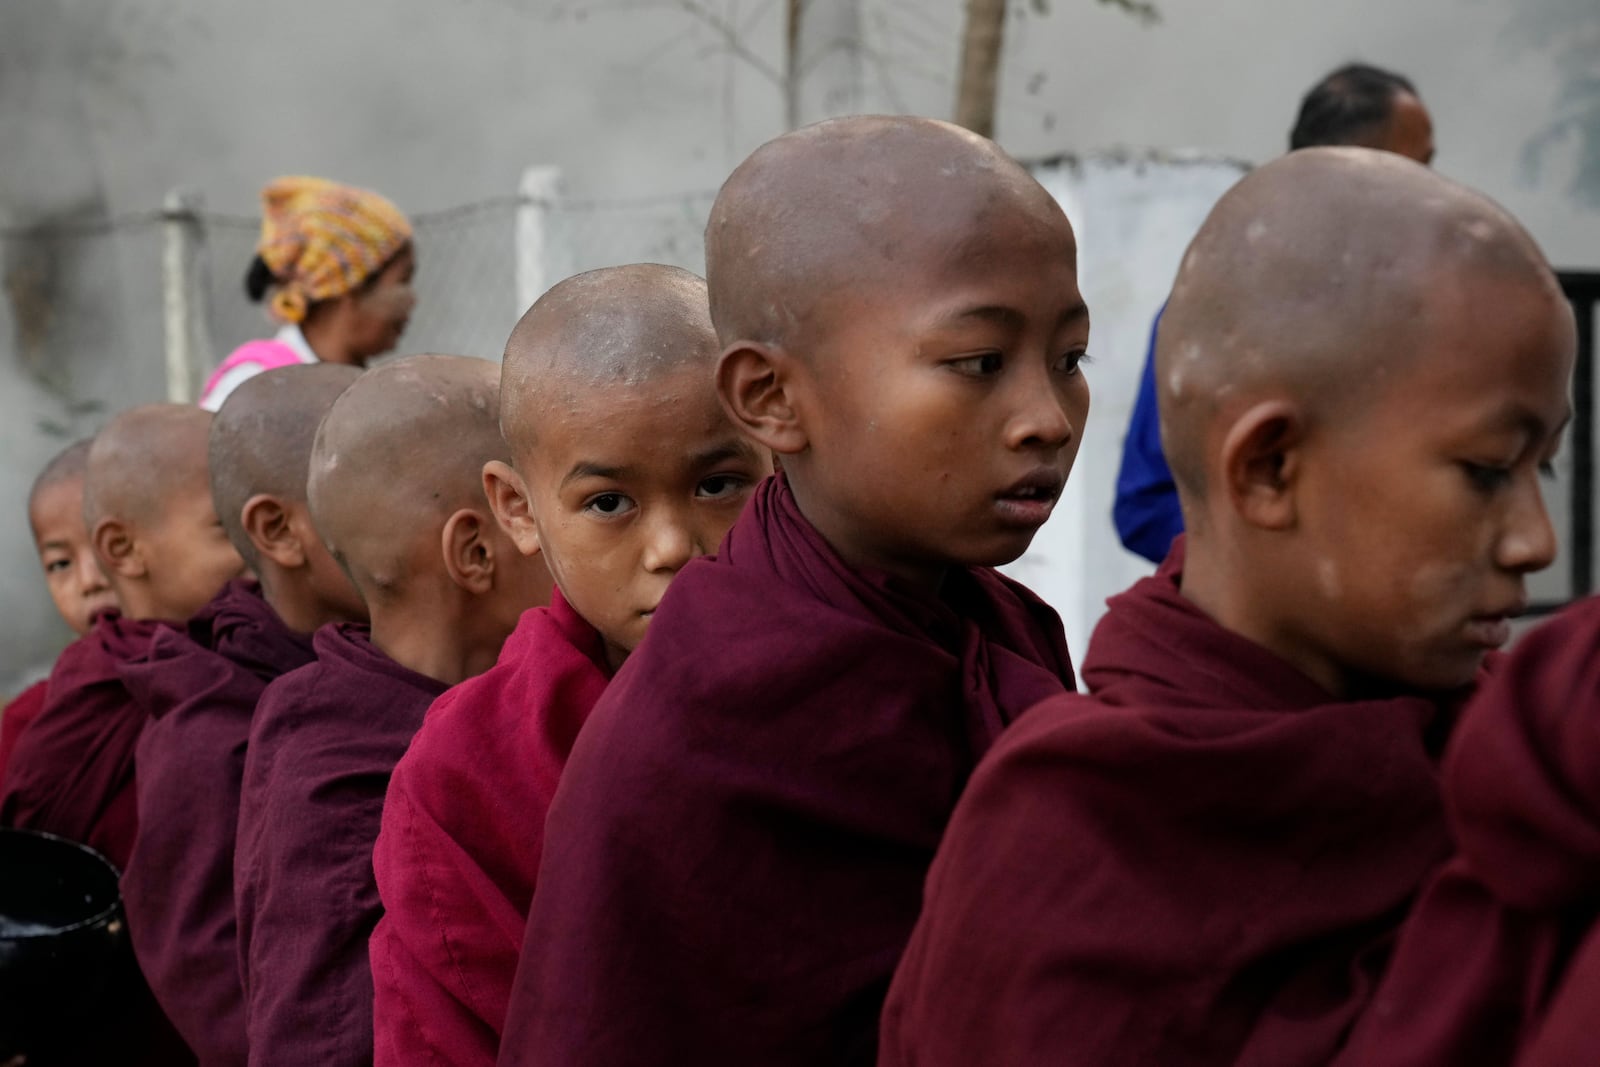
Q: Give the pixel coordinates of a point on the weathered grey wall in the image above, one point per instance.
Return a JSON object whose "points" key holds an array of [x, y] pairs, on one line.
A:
{"points": [[106, 105]]}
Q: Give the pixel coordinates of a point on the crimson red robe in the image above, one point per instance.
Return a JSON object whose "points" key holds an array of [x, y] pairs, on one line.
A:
{"points": [[72, 771], [463, 829], [1500, 962], [200, 688], [323, 743], [1202, 863], [735, 857], [19, 713]]}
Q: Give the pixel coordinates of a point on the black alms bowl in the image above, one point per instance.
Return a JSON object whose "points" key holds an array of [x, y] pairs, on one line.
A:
{"points": [[61, 936]]}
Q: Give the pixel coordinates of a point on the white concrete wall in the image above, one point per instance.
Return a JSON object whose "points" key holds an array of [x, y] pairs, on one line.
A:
{"points": [[1134, 216]]}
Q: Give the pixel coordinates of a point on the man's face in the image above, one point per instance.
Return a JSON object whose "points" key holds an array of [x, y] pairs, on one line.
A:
{"points": [[1422, 516], [943, 407], [187, 554], [78, 586], [1409, 132], [627, 484]]}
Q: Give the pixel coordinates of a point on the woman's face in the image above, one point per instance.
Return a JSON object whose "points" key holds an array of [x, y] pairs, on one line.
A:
{"points": [[380, 309]]}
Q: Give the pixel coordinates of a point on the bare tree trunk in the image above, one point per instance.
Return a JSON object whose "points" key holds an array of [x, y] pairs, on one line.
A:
{"points": [[980, 65], [791, 63]]}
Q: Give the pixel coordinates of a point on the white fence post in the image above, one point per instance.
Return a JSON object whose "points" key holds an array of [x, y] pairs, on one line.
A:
{"points": [[537, 268], [183, 278]]}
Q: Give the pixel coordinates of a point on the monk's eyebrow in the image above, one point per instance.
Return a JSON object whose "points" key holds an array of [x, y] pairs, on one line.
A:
{"points": [[721, 454], [1012, 319], [593, 470]]}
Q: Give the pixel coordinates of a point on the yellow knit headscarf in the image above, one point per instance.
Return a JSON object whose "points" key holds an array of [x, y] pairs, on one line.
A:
{"points": [[322, 240]]}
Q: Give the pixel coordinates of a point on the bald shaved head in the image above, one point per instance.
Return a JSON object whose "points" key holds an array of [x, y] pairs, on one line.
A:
{"points": [[142, 459], [67, 465], [617, 326], [850, 202], [261, 440], [1317, 275], [402, 449]]}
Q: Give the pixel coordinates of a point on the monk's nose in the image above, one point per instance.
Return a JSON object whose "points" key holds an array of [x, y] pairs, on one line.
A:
{"points": [[668, 545], [1529, 541], [1041, 420]]}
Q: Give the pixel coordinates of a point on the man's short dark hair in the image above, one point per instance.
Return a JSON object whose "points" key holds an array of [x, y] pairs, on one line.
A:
{"points": [[1347, 106]]}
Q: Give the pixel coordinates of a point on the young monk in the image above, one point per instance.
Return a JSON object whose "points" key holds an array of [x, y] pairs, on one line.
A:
{"points": [[625, 468], [1500, 962], [736, 855], [1363, 368], [396, 492], [147, 504], [78, 587], [200, 686]]}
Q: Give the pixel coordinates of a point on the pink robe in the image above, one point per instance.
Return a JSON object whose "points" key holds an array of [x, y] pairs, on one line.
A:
{"points": [[463, 829]]}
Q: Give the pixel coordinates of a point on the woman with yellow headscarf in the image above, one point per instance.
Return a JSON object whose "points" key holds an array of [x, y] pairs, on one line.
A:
{"points": [[334, 265]]}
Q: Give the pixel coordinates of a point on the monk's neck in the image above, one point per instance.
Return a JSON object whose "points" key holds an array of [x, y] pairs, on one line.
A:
{"points": [[1225, 588], [438, 644], [858, 547], [298, 608], [139, 601]]}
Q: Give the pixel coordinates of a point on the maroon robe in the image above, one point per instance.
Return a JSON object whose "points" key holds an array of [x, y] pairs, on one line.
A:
{"points": [[463, 829], [322, 746], [1500, 962], [18, 714], [1202, 863], [735, 857], [200, 689], [72, 770]]}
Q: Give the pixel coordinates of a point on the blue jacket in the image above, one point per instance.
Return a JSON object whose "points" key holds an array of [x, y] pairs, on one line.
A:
{"points": [[1146, 510]]}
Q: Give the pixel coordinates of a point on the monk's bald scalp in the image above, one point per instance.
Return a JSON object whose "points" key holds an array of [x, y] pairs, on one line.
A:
{"points": [[613, 327], [401, 449], [142, 460], [1312, 275], [846, 202], [261, 440], [68, 465]]}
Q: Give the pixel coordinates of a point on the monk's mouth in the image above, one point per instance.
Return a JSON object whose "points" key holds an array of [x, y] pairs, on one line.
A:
{"points": [[1489, 631]]}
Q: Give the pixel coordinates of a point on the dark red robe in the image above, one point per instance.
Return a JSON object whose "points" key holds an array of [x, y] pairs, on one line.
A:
{"points": [[463, 829], [322, 746], [19, 713], [72, 771], [73, 774], [1202, 863], [1500, 962], [735, 857], [200, 689]]}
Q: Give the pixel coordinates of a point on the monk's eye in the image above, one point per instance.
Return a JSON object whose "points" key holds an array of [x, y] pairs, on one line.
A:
{"points": [[57, 566], [1069, 363], [1486, 478], [984, 365], [609, 505], [720, 486]]}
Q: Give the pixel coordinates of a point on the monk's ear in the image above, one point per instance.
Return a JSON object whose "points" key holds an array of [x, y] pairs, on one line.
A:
{"points": [[271, 529], [469, 550], [512, 507], [1261, 459], [757, 384], [117, 549]]}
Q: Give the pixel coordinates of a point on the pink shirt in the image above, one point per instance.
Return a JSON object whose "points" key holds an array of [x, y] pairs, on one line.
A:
{"points": [[286, 349]]}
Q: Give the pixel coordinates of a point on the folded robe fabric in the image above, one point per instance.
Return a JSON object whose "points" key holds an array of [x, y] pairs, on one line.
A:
{"points": [[323, 743], [18, 714], [735, 857], [72, 772], [1202, 863], [1500, 962], [200, 689], [463, 829]]}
